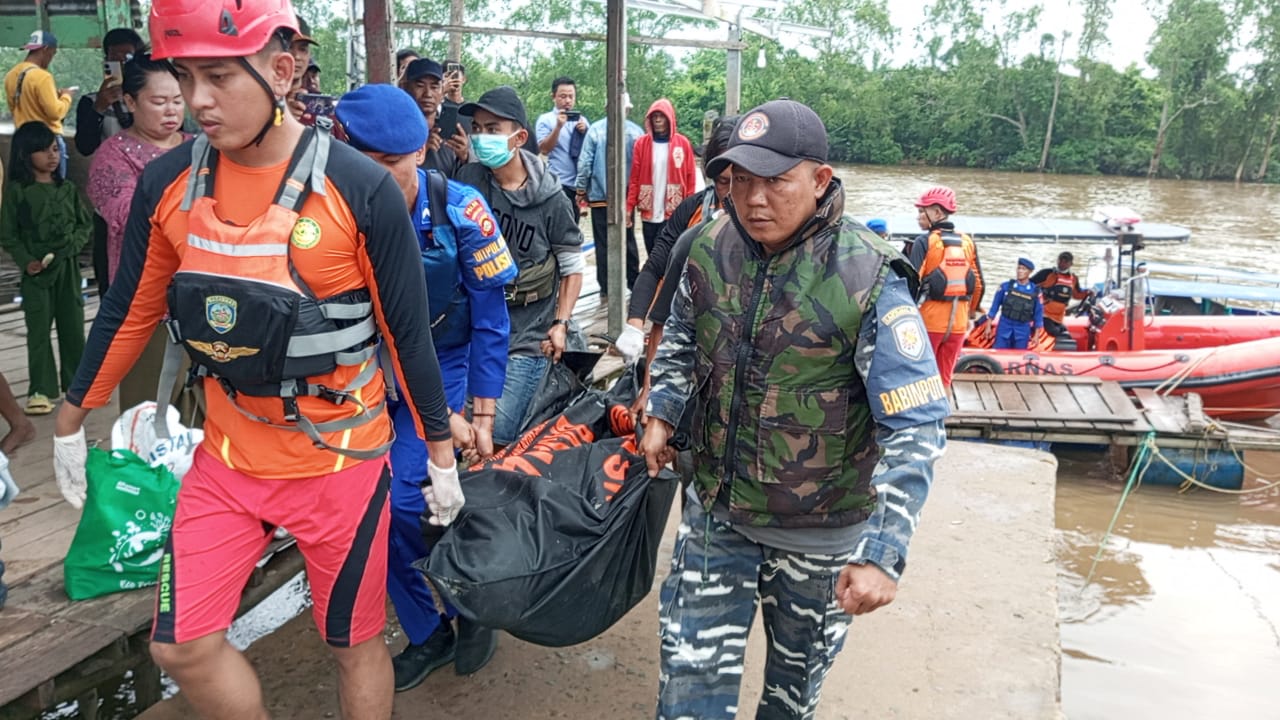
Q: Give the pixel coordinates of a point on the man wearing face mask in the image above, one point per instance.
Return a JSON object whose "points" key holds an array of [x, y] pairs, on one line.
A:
{"points": [[541, 229]]}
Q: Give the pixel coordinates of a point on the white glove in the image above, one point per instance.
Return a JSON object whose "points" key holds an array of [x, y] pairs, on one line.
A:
{"points": [[630, 343], [69, 455], [444, 494]]}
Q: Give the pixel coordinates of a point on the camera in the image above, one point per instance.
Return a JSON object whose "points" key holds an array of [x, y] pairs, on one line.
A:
{"points": [[573, 115]]}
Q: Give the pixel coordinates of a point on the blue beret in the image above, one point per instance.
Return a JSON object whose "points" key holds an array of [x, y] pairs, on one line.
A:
{"points": [[877, 226], [1024, 262], [382, 118]]}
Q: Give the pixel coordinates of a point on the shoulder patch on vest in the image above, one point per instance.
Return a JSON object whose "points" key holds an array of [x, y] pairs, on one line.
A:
{"points": [[908, 334], [476, 213], [306, 233]]}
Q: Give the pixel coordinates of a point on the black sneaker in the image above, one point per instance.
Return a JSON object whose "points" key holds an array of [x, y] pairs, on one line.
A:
{"points": [[476, 645], [418, 661]]}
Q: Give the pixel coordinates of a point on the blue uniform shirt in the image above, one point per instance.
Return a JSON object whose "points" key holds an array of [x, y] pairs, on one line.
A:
{"points": [[484, 266]]}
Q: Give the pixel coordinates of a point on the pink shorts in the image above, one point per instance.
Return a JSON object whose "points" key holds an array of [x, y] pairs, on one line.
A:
{"points": [[224, 521]]}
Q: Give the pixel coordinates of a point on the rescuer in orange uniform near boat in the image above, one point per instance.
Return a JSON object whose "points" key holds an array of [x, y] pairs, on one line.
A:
{"points": [[950, 277], [1058, 287]]}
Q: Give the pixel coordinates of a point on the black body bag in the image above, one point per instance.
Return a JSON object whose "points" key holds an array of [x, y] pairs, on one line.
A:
{"points": [[559, 536]]}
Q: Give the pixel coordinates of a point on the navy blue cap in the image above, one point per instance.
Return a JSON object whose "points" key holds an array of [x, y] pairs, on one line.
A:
{"points": [[1026, 263], [364, 112], [423, 67], [877, 226], [502, 101]]}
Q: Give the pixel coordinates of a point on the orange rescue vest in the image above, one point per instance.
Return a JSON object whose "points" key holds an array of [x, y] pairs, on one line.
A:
{"points": [[244, 315], [953, 278]]}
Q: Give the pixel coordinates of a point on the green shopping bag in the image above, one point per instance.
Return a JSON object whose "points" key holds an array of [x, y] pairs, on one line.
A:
{"points": [[124, 526]]}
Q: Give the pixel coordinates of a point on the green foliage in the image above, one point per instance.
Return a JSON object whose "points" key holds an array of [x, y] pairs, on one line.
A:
{"points": [[970, 99]]}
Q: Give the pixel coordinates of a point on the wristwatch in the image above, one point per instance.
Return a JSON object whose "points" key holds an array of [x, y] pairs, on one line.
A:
{"points": [[558, 321]]}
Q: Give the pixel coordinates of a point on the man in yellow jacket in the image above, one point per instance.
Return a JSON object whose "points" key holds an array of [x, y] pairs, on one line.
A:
{"points": [[32, 94]]}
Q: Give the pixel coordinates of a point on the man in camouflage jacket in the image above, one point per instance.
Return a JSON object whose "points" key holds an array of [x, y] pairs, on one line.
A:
{"points": [[816, 417]]}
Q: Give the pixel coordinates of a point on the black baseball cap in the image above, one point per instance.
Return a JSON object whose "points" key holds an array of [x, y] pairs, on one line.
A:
{"points": [[502, 101], [773, 138], [304, 33], [423, 67]]}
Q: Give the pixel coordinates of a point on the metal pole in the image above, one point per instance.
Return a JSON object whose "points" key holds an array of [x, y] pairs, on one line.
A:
{"points": [[355, 45], [733, 73], [616, 77], [378, 21], [457, 9]]}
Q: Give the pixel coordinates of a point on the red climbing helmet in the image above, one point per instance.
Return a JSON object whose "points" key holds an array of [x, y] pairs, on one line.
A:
{"points": [[942, 196], [216, 28]]}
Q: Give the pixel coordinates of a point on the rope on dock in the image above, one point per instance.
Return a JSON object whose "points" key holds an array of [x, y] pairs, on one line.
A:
{"points": [[1137, 469], [1176, 379], [1224, 427]]}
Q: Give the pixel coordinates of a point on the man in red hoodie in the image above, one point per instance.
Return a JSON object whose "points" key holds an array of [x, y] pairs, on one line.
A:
{"points": [[662, 171]]}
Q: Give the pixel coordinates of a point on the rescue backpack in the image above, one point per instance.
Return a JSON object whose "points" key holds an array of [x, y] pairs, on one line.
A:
{"points": [[953, 278]]}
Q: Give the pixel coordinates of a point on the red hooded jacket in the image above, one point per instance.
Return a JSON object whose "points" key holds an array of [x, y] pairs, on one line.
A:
{"points": [[681, 172]]}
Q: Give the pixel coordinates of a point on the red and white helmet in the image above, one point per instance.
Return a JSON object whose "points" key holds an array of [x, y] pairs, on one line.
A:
{"points": [[216, 28], [942, 196]]}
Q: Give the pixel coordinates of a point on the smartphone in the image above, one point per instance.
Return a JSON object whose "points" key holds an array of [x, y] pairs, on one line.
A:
{"points": [[447, 121], [317, 105], [573, 115], [113, 69], [452, 67]]}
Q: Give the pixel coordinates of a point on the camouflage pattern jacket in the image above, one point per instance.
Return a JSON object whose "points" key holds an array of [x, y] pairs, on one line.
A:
{"points": [[803, 419]]}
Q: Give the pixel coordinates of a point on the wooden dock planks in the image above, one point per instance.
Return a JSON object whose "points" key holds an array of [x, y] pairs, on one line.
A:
{"points": [[1074, 409], [1041, 407]]}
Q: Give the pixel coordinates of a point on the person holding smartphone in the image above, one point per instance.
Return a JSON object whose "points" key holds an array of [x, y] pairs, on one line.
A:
{"points": [[101, 115], [455, 76], [560, 134], [447, 144], [32, 94]]}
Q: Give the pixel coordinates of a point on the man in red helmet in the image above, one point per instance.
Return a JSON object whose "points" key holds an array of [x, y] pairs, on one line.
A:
{"points": [[284, 262], [950, 277]]}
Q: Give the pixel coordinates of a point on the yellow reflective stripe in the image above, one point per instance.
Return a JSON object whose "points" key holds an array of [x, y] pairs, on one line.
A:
{"points": [[226, 452], [346, 434]]}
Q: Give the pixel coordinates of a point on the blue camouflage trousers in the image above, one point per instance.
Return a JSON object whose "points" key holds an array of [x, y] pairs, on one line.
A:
{"points": [[708, 603]]}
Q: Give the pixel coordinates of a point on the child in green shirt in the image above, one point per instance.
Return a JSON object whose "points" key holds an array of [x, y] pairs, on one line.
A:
{"points": [[44, 225]]}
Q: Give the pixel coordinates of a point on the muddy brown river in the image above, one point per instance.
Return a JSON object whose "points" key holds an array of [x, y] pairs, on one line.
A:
{"points": [[1181, 617]]}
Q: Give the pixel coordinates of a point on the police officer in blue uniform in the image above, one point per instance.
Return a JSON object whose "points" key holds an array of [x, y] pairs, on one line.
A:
{"points": [[1020, 308], [467, 265]]}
